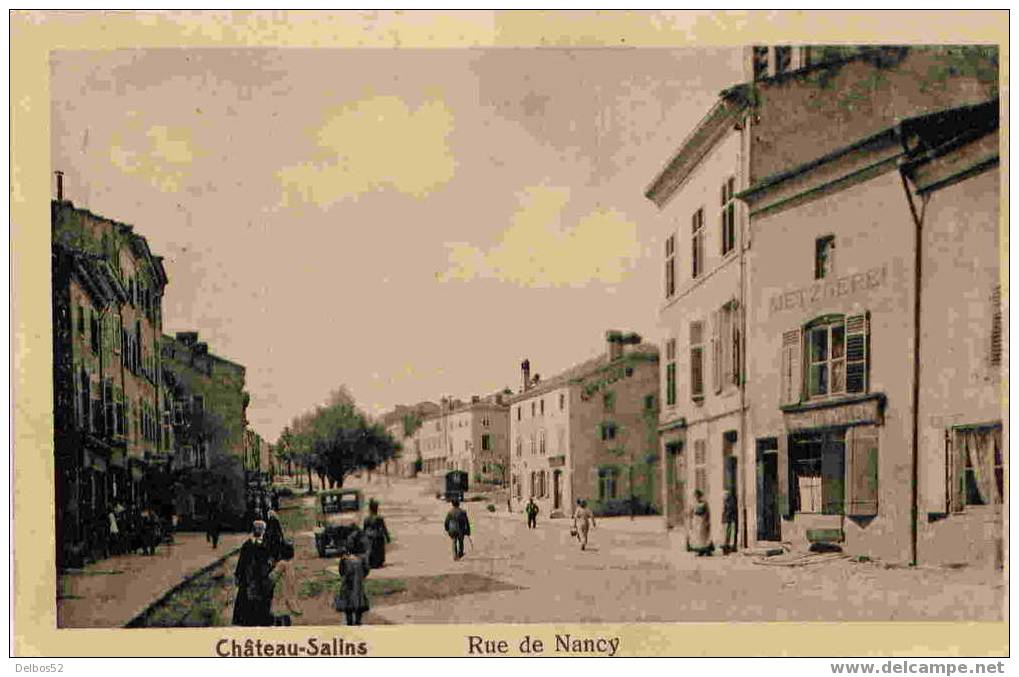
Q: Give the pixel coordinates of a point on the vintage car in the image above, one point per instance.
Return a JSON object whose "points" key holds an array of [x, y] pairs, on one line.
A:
{"points": [[340, 511], [456, 485]]}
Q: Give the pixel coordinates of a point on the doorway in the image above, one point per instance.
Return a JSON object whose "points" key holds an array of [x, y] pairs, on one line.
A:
{"points": [[675, 479], [557, 490], [768, 523]]}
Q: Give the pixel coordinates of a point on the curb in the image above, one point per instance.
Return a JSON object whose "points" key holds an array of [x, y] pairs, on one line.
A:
{"points": [[137, 619]]}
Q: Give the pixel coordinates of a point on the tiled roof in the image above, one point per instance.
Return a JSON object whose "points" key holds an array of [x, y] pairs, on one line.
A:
{"points": [[579, 371]]}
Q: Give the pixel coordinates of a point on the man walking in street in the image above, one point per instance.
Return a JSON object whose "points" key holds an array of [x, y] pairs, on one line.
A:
{"points": [[583, 520], [532, 514], [458, 527], [212, 525]]}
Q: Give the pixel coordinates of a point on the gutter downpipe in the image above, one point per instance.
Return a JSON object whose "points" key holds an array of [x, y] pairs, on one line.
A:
{"points": [[915, 405], [744, 244]]}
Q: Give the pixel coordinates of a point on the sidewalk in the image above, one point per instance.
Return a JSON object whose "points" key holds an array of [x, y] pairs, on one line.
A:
{"points": [[109, 593], [642, 524]]}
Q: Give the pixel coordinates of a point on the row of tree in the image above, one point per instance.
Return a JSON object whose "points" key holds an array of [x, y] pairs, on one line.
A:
{"points": [[334, 440]]}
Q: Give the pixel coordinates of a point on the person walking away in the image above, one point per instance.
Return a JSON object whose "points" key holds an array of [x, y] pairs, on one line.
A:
{"points": [[150, 532], [532, 514], [253, 604], [212, 526], [377, 535], [114, 533], [700, 526], [729, 519], [352, 599], [273, 534], [583, 520], [458, 527]]}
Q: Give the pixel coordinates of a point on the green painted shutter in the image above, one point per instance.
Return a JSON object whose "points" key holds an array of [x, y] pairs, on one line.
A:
{"points": [[857, 327]]}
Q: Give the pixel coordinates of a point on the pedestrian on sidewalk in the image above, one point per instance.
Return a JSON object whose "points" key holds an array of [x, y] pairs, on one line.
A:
{"points": [[213, 526], [114, 533], [377, 535], [583, 520], [273, 534], [729, 519], [700, 526], [253, 604], [458, 526], [532, 513], [150, 532], [352, 599]]}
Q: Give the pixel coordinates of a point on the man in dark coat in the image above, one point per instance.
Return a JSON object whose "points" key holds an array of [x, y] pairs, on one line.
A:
{"points": [[458, 527], [274, 535], [532, 514], [212, 526], [253, 605], [377, 535]]}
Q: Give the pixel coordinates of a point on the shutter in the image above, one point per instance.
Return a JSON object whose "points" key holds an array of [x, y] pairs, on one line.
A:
{"points": [[957, 453], [736, 370], [996, 326], [716, 350], [857, 329], [863, 471], [791, 379]]}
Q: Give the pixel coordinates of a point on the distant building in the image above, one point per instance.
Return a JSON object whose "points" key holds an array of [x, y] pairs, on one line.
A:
{"points": [[403, 424], [210, 420], [589, 433], [111, 443]]}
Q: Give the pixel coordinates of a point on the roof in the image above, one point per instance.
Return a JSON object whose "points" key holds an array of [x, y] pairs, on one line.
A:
{"points": [[698, 143], [206, 354], [936, 132], [583, 370]]}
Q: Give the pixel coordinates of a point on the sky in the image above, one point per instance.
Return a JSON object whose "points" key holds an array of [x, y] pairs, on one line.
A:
{"points": [[411, 224]]}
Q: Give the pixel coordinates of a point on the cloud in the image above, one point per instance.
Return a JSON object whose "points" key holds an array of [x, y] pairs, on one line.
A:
{"points": [[374, 144], [537, 251], [160, 155]]}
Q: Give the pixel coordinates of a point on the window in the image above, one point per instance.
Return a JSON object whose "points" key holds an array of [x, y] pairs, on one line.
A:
{"points": [[649, 402], [700, 466], [533, 408], [670, 266], [562, 401], [541, 443], [608, 431], [486, 442], [94, 328], [824, 253], [697, 242], [520, 447], [609, 402], [783, 59], [725, 348], [975, 466], [728, 215], [198, 405], [485, 421], [670, 372], [81, 319], [996, 326], [760, 57], [542, 406], [836, 356], [607, 483], [532, 447], [817, 472], [696, 360], [518, 412]]}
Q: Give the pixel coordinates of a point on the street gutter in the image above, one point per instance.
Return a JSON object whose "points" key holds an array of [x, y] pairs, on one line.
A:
{"points": [[138, 620]]}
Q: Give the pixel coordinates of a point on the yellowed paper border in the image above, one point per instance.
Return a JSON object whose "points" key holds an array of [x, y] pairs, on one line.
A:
{"points": [[34, 34]]}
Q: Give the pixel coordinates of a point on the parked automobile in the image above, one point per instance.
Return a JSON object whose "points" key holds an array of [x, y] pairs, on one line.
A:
{"points": [[340, 512]]}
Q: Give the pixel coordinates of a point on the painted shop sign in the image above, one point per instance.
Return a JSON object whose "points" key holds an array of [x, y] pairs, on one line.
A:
{"points": [[824, 290], [855, 413]]}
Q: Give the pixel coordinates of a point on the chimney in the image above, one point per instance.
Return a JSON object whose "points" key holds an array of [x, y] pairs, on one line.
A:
{"points": [[60, 185], [525, 373], [614, 339]]}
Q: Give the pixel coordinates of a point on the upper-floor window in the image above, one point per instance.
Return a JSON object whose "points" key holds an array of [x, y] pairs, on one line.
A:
{"points": [[607, 483], [728, 215], [697, 242], [541, 443], [609, 401], [760, 62], [562, 401], [725, 347], [518, 412], [533, 406], [81, 319], [486, 442], [783, 59], [834, 352], [520, 447], [696, 360], [542, 406], [824, 254], [670, 372], [608, 431], [670, 266]]}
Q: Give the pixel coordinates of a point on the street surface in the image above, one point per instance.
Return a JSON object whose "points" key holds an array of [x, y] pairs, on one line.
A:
{"points": [[630, 573]]}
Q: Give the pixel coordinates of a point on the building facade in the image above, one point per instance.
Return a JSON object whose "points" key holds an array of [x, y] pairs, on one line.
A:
{"points": [[799, 131], [589, 433], [111, 441], [863, 406], [210, 422], [404, 424], [700, 316]]}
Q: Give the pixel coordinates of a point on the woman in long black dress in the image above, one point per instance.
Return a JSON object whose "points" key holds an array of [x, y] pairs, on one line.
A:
{"points": [[254, 586], [352, 599], [377, 535]]}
